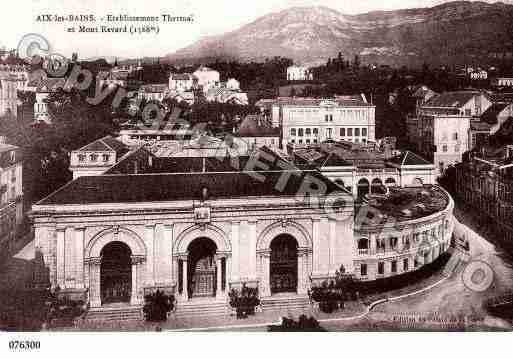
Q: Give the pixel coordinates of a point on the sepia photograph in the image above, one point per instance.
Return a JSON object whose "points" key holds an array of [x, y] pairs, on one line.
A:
{"points": [[267, 166]]}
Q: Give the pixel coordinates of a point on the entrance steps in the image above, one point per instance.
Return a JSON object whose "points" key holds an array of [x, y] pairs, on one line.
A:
{"points": [[115, 313], [201, 308], [283, 302]]}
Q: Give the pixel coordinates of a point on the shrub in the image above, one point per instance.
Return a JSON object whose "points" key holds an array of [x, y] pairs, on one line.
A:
{"points": [[62, 310], [244, 301], [303, 324], [157, 305]]}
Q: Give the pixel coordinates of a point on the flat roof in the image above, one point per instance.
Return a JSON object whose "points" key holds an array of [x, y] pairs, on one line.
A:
{"points": [[406, 204]]}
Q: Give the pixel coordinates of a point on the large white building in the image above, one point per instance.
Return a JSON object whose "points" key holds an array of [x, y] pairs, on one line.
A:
{"points": [[147, 224], [312, 120]]}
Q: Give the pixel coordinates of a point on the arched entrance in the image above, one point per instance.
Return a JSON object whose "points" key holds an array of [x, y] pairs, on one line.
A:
{"points": [[363, 187], [115, 273], [201, 268], [377, 186], [283, 264]]}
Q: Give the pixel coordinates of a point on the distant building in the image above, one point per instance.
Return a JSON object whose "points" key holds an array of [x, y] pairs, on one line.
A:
{"points": [[43, 89], [224, 95], [207, 78], [306, 120], [258, 132], [11, 195], [13, 78], [96, 157], [444, 125], [153, 92], [485, 182], [182, 82], [478, 75], [232, 84], [299, 73], [502, 82]]}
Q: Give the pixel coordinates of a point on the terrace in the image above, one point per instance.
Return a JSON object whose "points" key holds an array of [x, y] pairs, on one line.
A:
{"points": [[405, 204]]}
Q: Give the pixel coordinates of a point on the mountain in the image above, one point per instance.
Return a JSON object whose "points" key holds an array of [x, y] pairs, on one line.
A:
{"points": [[454, 32]]}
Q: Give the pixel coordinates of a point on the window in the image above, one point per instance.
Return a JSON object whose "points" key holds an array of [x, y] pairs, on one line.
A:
{"points": [[444, 148], [342, 132], [308, 132], [393, 242], [455, 136], [300, 141], [393, 267], [105, 158], [292, 131], [328, 132], [380, 244], [316, 131], [300, 132], [93, 157], [363, 269], [381, 267], [326, 118], [357, 132], [293, 141], [350, 132], [405, 264], [467, 112], [415, 263], [307, 140], [331, 118], [364, 132], [315, 140], [81, 158]]}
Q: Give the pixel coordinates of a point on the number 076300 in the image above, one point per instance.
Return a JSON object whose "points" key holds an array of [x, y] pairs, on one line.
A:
{"points": [[24, 344]]}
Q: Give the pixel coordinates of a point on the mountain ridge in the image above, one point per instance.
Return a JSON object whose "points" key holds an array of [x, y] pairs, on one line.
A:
{"points": [[452, 32]]}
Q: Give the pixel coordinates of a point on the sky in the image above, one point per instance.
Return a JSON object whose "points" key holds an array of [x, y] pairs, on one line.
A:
{"points": [[211, 17]]}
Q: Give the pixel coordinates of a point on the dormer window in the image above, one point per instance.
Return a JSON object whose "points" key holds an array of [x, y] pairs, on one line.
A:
{"points": [[93, 157], [106, 157], [81, 158], [13, 156]]}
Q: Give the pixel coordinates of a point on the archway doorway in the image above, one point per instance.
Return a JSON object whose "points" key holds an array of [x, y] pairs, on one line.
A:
{"points": [[363, 187], [283, 266], [377, 186], [201, 268], [115, 273]]}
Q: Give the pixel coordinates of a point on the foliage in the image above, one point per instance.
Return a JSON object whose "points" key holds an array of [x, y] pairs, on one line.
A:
{"points": [[303, 324], [331, 295], [157, 305], [244, 301], [62, 309]]}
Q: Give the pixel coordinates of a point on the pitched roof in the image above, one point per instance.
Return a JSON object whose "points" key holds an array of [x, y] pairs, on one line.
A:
{"points": [[454, 99], [184, 76], [257, 126], [106, 143], [180, 186], [343, 101], [408, 158], [490, 115]]}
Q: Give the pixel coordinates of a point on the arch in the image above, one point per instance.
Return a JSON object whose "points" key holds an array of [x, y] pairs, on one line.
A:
{"points": [[363, 243], [417, 182], [283, 268], [214, 233], [116, 273], [201, 271], [377, 186], [115, 234], [363, 187], [390, 182], [292, 228]]}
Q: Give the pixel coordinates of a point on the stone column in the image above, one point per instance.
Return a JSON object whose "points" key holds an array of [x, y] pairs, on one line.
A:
{"points": [[266, 267], [136, 297], [219, 291], [300, 271], [235, 274], [79, 257], [149, 234], [94, 282], [316, 246], [168, 270], [185, 292], [60, 257], [332, 247], [252, 272]]}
